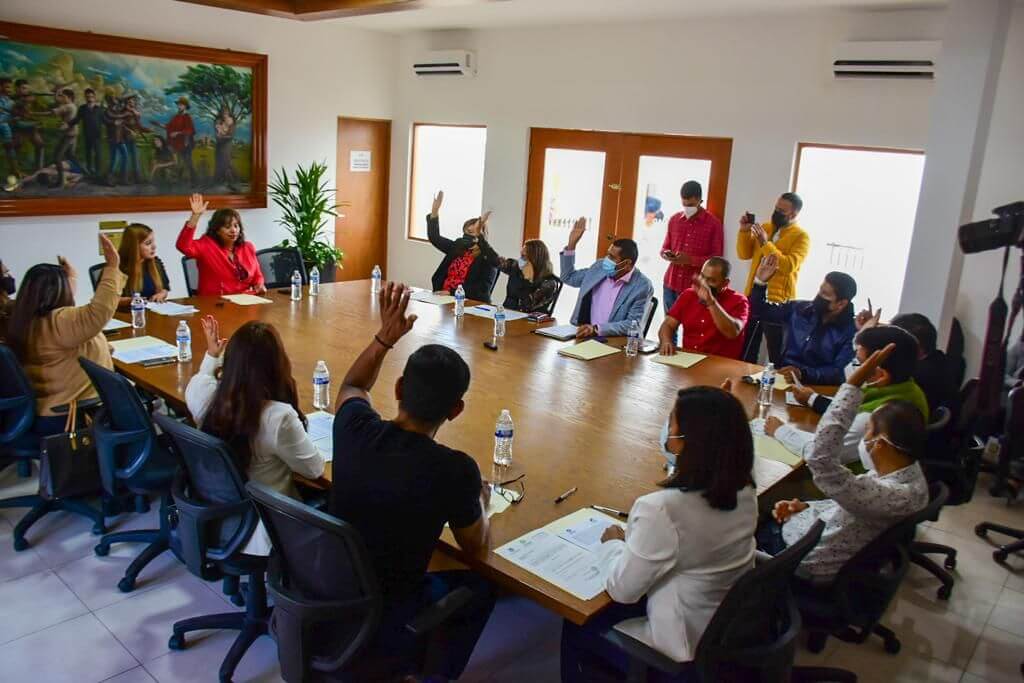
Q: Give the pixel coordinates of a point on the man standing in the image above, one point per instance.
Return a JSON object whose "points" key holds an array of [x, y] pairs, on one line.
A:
{"points": [[90, 116], [694, 235], [65, 148], [712, 314], [180, 138], [23, 125]]}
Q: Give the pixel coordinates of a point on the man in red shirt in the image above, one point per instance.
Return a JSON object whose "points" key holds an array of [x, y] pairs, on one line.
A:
{"points": [[180, 135], [713, 316]]}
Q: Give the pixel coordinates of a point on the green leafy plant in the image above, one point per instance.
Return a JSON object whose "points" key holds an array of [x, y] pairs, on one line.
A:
{"points": [[306, 203]]}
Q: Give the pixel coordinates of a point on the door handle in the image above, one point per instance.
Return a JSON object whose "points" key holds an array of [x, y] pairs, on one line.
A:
{"points": [[614, 186]]}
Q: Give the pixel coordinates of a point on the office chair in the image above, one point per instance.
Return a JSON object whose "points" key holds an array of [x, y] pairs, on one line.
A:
{"points": [[278, 264], [955, 352], [20, 443], [132, 457], [650, 316], [550, 310], [327, 602], [212, 519], [851, 606], [1010, 455], [942, 454], [95, 273], [751, 637], [191, 270]]}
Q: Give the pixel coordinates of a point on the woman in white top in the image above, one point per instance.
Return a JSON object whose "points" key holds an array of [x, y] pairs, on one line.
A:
{"points": [[685, 546], [252, 404]]}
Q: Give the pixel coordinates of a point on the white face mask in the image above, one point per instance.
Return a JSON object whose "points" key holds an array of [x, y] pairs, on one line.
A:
{"points": [[865, 455], [850, 368], [690, 211], [663, 441]]}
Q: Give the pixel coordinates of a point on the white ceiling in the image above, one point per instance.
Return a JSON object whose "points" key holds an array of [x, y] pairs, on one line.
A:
{"points": [[456, 14]]}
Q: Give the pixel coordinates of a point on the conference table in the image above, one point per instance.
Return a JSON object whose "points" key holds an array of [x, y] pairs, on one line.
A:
{"points": [[593, 425]]}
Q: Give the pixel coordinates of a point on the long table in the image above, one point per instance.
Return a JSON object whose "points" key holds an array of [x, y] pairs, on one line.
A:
{"points": [[593, 425]]}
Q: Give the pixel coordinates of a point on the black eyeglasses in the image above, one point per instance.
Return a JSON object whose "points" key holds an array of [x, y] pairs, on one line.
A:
{"points": [[511, 495]]}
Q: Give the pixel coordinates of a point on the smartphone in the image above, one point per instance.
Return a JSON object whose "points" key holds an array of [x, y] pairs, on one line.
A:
{"points": [[492, 345], [749, 218], [539, 317], [669, 253], [747, 379]]}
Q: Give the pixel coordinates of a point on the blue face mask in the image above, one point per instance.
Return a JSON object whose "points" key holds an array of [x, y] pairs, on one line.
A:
{"points": [[522, 263], [664, 439], [608, 266]]}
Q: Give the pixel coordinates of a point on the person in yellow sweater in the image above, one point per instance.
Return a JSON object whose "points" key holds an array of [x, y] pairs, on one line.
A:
{"points": [[789, 243]]}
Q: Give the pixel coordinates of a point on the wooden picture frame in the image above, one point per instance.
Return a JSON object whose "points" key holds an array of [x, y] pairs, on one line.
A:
{"points": [[182, 179]]}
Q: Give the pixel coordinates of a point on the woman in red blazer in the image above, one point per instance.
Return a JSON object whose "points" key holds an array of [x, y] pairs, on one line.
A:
{"points": [[227, 263]]}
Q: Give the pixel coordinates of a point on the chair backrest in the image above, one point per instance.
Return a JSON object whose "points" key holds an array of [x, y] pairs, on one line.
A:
{"points": [[126, 441], [215, 517], [95, 272], [17, 399], [652, 306], [320, 573], [756, 626], [191, 270], [278, 264], [1013, 439], [550, 310], [955, 352]]}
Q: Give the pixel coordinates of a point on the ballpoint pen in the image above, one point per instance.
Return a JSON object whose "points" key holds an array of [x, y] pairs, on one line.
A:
{"points": [[565, 495], [611, 511]]}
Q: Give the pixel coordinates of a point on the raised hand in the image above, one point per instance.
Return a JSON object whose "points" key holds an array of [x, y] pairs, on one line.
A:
{"points": [[198, 206], [436, 206], [394, 323], [215, 344], [576, 234], [759, 234], [703, 293], [69, 269], [767, 268], [110, 254], [866, 370], [868, 317]]}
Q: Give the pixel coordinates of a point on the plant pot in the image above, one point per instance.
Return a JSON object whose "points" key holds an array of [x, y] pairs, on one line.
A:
{"points": [[329, 273]]}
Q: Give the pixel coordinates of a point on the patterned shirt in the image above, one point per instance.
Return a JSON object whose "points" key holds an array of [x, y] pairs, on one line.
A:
{"points": [[861, 506], [458, 269], [699, 237]]}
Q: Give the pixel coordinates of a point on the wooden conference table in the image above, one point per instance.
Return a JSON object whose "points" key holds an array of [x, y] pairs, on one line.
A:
{"points": [[593, 425]]}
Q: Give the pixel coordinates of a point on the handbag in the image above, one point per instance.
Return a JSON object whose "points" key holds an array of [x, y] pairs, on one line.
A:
{"points": [[68, 466]]}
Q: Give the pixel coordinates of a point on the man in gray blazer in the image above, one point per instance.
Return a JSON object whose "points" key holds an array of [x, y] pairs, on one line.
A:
{"points": [[613, 293]]}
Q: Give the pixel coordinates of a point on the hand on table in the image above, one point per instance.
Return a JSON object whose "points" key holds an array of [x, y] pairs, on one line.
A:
{"points": [[792, 374], [160, 296], [667, 349], [802, 394], [261, 288], [772, 424], [784, 509], [586, 332], [485, 494], [215, 344], [613, 533]]}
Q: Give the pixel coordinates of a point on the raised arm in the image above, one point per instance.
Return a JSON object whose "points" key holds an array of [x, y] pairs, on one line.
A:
{"points": [[75, 325], [442, 244], [567, 259], [186, 243], [745, 240], [729, 325]]}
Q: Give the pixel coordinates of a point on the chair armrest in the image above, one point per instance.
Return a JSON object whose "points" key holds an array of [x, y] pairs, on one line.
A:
{"points": [[435, 615], [642, 652]]}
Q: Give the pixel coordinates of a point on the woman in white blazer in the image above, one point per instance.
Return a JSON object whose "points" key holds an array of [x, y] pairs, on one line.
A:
{"points": [[685, 545], [244, 394]]}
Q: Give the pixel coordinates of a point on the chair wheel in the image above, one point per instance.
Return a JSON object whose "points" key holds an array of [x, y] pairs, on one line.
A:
{"points": [[980, 531], [944, 592], [950, 563], [126, 585], [101, 550], [892, 645], [20, 544], [238, 599], [99, 529], [1000, 556], [177, 642]]}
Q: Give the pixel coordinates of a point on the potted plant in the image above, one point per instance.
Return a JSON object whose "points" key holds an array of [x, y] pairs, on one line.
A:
{"points": [[306, 203]]}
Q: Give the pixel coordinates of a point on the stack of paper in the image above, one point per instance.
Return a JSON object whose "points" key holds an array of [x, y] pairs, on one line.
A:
{"points": [[588, 350], [321, 433], [767, 472], [559, 332], [682, 359], [426, 297], [139, 349], [487, 311], [171, 308], [115, 324], [768, 447], [246, 299]]}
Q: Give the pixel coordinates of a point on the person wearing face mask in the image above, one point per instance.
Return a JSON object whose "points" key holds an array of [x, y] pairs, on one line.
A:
{"points": [[694, 235], [145, 271], [860, 507], [469, 261], [712, 314], [891, 380], [531, 279], [613, 293], [685, 545], [819, 333], [226, 260]]}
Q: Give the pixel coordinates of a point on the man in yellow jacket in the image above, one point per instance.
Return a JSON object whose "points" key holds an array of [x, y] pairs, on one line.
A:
{"points": [[786, 240]]}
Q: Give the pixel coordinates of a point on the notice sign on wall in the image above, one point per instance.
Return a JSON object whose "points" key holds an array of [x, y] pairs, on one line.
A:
{"points": [[359, 161]]}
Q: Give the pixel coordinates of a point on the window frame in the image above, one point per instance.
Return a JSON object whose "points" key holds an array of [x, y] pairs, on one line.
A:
{"points": [[412, 169], [801, 146]]}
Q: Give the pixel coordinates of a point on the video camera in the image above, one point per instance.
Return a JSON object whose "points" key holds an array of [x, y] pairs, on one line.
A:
{"points": [[1006, 230]]}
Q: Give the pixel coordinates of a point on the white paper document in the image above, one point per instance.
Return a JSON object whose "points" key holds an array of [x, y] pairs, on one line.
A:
{"points": [[559, 332], [423, 296], [139, 349], [321, 432], [586, 534], [171, 308], [568, 566], [791, 400], [487, 311], [768, 473], [115, 324], [246, 299]]}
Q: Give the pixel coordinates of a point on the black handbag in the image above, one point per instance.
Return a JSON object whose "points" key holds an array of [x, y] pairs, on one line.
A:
{"points": [[68, 466]]}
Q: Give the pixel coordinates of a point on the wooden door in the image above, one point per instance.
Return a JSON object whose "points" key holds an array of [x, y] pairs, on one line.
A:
{"points": [[361, 231]]}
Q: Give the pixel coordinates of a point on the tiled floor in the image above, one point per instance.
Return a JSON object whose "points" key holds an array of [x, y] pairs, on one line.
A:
{"points": [[63, 619]]}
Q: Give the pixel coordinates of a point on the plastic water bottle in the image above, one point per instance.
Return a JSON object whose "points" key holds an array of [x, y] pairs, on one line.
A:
{"points": [[460, 302], [503, 432], [184, 337], [296, 286], [138, 311], [499, 321], [375, 280], [633, 340], [764, 394], [321, 386], [314, 282]]}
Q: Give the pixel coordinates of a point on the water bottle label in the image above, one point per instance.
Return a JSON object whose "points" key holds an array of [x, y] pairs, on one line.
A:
{"points": [[503, 433], [321, 380]]}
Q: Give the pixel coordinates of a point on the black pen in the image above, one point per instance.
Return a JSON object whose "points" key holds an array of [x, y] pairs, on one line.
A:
{"points": [[611, 511], [157, 362], [565, 495]]}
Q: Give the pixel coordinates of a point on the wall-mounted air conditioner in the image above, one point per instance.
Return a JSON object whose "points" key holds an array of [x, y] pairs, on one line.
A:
{"points": [[446, 63], [886, 59]]}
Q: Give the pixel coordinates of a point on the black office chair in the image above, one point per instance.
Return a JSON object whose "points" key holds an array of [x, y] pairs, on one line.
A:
{"points": [[278, 264], [95, 273], [550, 310], [942, 463], [1011, 454], [327, 602], [650, 316], [851, 606], [955, 352], [753, 634], [20, 443], [191, 270], [212, 519], [132, 457]]}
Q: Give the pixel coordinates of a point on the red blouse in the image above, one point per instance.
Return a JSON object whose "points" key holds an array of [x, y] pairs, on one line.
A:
{"points": [[458, 269], [218, 274]]}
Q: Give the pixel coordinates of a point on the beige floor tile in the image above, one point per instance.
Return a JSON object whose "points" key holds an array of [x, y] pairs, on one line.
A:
{"points": [[971, 678], [932, 631], [1016, 581], [1008, 613], [998, 656], [872, 664], [970, 597], [974, 557]]}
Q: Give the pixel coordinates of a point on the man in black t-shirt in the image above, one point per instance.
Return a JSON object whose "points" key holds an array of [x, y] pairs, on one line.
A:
{"points": [[399, 487]]}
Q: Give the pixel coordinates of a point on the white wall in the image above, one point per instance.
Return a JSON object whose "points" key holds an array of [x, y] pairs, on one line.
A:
{"points": [[764, 81], [318, 71]]}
